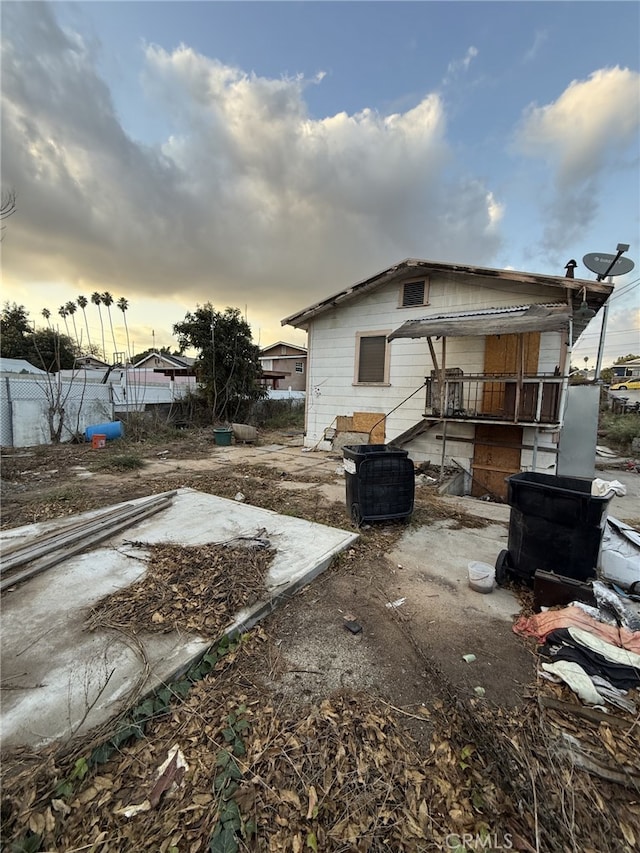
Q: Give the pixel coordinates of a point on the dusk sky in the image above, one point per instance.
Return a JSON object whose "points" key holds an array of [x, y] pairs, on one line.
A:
{"points": [[264, 155]]}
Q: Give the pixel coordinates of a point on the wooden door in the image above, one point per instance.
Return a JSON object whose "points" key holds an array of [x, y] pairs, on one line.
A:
{"points": [[496, 455], [507, 355]]}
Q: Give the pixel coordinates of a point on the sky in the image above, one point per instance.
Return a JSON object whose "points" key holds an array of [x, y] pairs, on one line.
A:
{"points": [[264, 155]]}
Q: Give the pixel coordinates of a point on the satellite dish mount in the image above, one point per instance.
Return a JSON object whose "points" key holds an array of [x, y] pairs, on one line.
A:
{"points": [[604, 265]]}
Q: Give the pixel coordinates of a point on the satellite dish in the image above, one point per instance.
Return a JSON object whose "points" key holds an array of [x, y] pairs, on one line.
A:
{"points": [[599, 263]]}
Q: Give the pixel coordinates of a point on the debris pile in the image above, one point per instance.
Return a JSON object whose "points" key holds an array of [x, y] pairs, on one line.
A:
{"points": [[589, 683], [189, 588]]}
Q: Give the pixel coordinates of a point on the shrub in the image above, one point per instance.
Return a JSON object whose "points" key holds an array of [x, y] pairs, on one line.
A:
{"points": [[121, 462], [620, 430], [279, 414]]}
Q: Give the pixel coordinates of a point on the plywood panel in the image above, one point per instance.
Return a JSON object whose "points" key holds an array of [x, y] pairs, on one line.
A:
{"points": [[491, 464], [371, 422], [344, 423], [502, 355]]}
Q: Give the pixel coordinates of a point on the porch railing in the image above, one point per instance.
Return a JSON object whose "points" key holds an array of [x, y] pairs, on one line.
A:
{"points": [[499, 397]]}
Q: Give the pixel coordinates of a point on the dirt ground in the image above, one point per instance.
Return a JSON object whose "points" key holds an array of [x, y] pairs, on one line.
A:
{"points": [[408, 658], [386, 656]]}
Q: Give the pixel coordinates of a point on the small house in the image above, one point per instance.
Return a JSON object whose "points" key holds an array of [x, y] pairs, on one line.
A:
{"points": [[284, 366], [465, 367], [169, 365]]}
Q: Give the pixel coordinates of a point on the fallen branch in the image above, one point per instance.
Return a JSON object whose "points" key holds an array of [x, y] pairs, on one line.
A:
{"points": [[579, 711]]}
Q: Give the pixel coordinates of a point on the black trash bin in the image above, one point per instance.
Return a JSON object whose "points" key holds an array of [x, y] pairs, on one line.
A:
{"points": [[380, 482], [556, 525]]}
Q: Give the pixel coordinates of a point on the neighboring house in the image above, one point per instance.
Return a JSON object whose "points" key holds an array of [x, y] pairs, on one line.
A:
{"points": [[170, 365], [90, 362], [284, 366], [463, 366]]}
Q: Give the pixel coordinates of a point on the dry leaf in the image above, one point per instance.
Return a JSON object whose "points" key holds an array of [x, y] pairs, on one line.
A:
{"points": [[313, 800], [36, 823], [289, 796], [60, 806], [629, 835]]}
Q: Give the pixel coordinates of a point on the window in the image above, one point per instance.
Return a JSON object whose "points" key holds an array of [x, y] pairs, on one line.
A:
{"points": [[299, 367], [414, 293], [372, 359]]}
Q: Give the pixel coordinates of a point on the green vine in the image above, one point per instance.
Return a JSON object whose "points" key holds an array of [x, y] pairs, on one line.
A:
{"points": [[134, 724], [133, 727], [230, 825]]}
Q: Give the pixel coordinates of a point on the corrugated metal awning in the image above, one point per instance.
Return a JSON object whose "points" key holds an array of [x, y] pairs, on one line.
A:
{"points": [[495, 321]]}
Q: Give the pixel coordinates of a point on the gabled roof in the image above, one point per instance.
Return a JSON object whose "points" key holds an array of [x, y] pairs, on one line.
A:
{"points": [[302, 350], [598, 291], [181, 362], [91, 361]]}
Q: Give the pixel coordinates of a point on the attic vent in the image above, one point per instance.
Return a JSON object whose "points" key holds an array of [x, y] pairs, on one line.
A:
{"points": [[413, 293]]}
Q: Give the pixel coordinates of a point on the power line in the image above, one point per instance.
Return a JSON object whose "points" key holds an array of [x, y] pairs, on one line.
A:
{"points": [[623, 290], [614, 332]]}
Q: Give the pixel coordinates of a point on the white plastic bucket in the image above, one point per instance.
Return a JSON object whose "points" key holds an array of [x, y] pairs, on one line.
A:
{"points": [[481, 577]]}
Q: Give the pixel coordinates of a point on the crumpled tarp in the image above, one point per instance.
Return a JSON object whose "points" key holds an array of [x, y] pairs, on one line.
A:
{"points": [[541, 624]]}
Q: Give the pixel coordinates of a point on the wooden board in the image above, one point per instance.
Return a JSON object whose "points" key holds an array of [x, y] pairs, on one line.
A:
{"points": [[493, 462], [344, 423], [371, 422], [510, 355]]}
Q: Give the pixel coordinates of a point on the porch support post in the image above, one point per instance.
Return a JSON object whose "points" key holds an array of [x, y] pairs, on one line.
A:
{"points": [[519, 368], [433, 356], [443, 373]]}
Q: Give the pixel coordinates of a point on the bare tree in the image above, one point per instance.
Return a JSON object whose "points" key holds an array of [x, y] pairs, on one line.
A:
{"points": [[7, 206], [58, 393]]}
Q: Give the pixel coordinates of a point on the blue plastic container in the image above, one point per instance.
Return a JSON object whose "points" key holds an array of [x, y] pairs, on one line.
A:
{"points": [[114, 429]]}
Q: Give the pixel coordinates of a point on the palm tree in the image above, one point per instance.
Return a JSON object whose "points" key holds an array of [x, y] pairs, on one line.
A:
{"points": [[46, 314], [71, 308], [123, 304], [107, 299], [82, 303], [96, 298], [62, 311]]}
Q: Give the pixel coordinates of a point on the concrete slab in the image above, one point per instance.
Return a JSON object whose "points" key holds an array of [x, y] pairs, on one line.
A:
{"points": [[436, 558], [60, 680], [623, 506], [275, 456]]}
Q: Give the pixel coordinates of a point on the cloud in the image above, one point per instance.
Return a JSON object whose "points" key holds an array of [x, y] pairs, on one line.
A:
{"points": [[592, 118], [464, 63], [586, 131], [250, 200], [459, 66], [539, 39]]}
